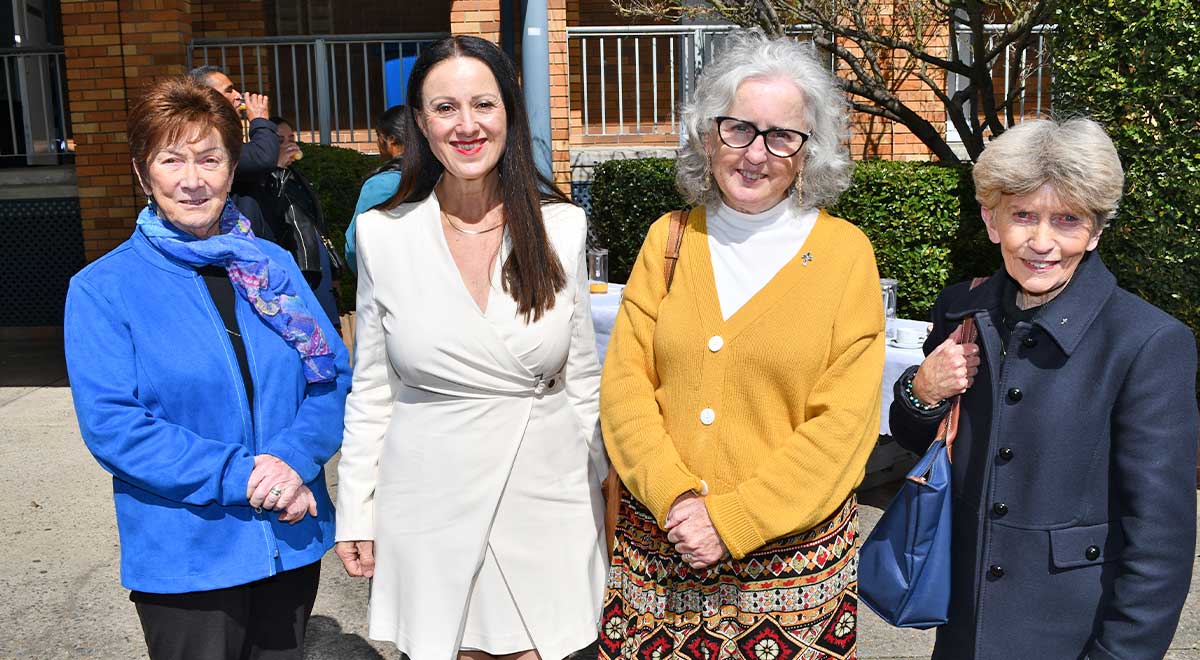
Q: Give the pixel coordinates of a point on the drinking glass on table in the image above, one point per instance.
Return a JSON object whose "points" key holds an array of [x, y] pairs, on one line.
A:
{"points": [[891, 290], [597, 265]]}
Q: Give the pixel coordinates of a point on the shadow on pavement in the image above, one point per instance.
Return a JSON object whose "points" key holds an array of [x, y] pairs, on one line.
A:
{"points": [[881, 495], [32, 357], [325, 639]]}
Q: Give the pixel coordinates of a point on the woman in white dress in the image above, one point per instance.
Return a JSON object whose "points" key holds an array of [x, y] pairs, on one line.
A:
{"points": [[469, 479]]}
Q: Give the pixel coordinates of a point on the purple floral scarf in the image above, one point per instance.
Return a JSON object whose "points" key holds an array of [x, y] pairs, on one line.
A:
{"points": [[263, 283]]}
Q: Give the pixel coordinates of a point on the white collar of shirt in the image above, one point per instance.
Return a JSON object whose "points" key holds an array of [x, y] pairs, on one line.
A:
{"points": [[748, 249]]}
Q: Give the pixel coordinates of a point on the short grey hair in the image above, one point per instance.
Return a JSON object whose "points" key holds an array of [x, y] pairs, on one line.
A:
{"points": [[751, 55], [201, 73], [1076, 157]]}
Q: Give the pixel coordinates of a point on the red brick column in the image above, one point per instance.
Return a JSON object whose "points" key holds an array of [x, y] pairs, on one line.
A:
{"points": [[112, 49], [480, 18]]}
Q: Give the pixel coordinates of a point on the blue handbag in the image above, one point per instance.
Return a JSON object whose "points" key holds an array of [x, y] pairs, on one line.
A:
{"points": [[904, 565]]}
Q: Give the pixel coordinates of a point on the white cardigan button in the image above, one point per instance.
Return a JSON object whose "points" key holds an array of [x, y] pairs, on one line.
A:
{"points": [[715, 343], [708, 416]]}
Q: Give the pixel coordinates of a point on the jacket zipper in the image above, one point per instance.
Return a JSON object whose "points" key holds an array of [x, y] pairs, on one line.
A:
{"points": [[265, 525], [256, 435]]}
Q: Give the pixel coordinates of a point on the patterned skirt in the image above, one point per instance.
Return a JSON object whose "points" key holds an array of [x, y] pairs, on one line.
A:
{"points": [[793, 599]]}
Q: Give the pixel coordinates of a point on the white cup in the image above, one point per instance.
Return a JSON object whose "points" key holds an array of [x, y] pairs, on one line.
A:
{"points": [[909, 336]]}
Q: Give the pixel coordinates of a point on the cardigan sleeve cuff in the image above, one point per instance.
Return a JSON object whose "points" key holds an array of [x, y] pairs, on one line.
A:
{"points": [[733, 524], [662, 491]]}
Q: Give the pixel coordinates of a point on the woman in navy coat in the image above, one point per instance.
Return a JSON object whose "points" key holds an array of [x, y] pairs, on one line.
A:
{"points": [[1073, 471]]}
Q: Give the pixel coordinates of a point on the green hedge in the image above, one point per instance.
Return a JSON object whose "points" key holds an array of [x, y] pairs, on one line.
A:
{"points": [[627, 196], [1134, 66], [921, 218], [924, 234], [337, 174]]}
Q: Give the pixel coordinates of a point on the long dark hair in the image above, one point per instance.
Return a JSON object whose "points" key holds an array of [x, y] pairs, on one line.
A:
{"points": [[532, 274]]}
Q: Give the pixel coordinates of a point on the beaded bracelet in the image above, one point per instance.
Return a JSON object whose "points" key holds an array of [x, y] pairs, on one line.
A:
{"points": [[912, 398]]}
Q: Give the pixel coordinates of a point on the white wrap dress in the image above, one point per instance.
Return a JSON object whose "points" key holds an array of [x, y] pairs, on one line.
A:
{"points": [[471, 454]]}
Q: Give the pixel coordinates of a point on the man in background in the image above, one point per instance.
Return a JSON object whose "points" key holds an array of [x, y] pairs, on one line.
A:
{"points": [[292, 210], [261, 150]]}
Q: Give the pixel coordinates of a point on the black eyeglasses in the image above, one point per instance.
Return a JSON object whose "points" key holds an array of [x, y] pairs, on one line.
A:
{"points": [[739, 134]]}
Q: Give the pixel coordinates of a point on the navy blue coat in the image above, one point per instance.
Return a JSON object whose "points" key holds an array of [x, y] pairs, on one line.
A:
{"points": [[1073, 476]]}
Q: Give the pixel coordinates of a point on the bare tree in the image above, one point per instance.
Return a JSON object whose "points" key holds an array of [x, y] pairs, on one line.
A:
{"points": [[880, 45]]}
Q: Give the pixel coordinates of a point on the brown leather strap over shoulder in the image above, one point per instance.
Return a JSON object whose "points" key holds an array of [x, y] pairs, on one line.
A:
{"points": [[674, 242], [612, 485]]}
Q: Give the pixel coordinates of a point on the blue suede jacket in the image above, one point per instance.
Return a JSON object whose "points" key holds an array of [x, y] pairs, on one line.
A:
{"points": [[162, 406]]}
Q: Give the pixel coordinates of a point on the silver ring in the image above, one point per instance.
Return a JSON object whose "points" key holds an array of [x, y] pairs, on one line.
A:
{"points": [[276, 491], [687, 556]]}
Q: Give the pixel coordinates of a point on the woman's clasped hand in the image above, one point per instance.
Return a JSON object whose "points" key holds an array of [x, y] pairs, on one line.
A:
{"points": [[275, 486], [691, 530]]}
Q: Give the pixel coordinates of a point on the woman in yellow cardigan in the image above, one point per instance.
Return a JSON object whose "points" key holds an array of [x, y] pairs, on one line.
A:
{"points": [[740, 407]]}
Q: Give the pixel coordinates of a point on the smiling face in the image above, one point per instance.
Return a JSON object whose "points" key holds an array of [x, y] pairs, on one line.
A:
{"points": [[752, 179], [1041, 239], [190, 182], [463, 117]]}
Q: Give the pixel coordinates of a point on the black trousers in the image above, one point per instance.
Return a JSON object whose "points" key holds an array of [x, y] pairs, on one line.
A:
{"points": [[263, 620]]}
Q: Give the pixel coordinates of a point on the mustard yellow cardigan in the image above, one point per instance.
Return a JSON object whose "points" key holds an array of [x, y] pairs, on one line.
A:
{"points": [[775, 409]]}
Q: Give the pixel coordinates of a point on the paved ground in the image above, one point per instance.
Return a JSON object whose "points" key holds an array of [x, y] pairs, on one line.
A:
{"points": [[60, 595]]}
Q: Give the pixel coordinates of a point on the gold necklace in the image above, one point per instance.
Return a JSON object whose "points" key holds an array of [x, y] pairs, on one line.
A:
{"points": [[470, 232]]}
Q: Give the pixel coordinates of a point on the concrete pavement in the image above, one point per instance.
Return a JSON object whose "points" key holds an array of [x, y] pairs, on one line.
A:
{"points": [[60, 595]]}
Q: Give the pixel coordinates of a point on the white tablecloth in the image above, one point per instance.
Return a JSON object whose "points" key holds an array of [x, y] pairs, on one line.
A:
{"points": [[604, 315]]}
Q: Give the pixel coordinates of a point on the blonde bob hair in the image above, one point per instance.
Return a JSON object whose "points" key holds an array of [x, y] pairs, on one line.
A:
{"points": [[1075, 157]]}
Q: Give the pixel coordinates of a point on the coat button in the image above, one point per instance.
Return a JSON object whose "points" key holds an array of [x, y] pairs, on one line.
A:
{"points": [[708, 416], [1000, 508], [1015, 394], [1092, 553], [996, 570], [551, 383], [715, 343], [1005, 453], [1029, 341]]}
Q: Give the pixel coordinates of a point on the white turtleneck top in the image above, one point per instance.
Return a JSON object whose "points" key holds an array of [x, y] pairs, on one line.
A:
{"points": [[748, 249]]}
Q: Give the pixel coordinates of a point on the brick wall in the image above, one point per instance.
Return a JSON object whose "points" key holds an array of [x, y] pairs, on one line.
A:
{"points": [[875, 137], [217, 19], [480, 18], [249, 68], [112, 48]]}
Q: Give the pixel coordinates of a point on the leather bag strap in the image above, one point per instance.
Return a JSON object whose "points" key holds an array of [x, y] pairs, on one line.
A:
{"points": [[612, 485], [963, 334], [674, 242]]}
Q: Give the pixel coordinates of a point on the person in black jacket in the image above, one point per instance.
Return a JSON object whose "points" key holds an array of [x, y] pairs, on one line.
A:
{"points": [[1074, 511], [261, 151], [292, 212]]}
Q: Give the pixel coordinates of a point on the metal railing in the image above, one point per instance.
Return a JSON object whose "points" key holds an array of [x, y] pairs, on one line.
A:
{"points": [[1025, 69], [34, 119], [332, 87], [630, 81]]}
